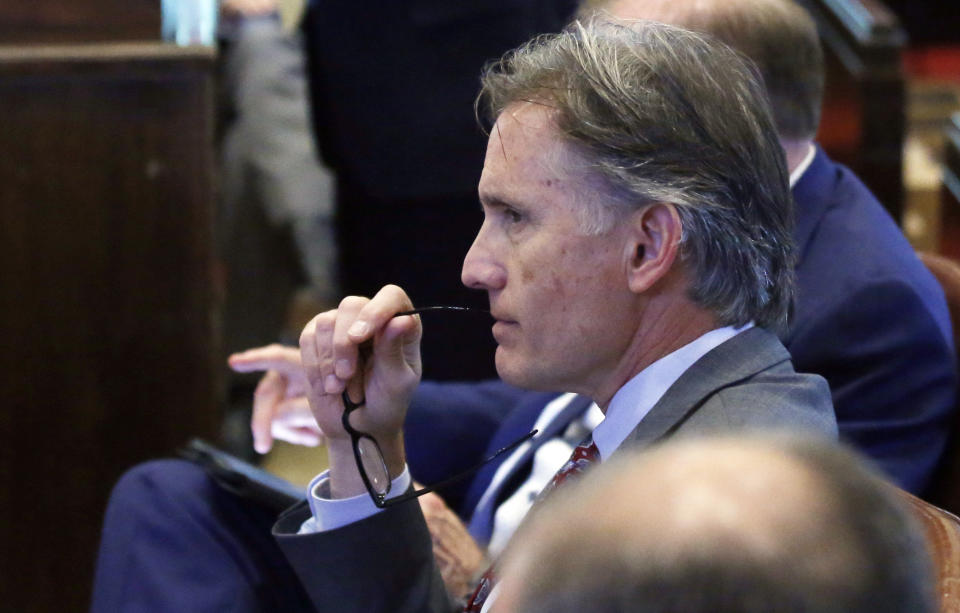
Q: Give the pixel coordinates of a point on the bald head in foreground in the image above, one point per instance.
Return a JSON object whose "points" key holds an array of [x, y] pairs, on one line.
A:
{"points": [[729, 524]]}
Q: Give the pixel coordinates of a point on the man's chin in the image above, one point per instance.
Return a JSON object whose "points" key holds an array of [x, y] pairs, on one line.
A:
{"points": [[507, 368], [518, 373]]}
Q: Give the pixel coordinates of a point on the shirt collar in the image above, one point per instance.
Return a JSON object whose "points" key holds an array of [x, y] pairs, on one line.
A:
{"points": [[634, 400], [803, 166]]}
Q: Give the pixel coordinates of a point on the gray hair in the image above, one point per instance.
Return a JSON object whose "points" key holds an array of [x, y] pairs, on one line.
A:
{"points": [[665, 115]]}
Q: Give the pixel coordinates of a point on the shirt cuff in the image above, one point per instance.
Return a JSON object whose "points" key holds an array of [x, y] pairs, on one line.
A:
{"points": [[332, 513]]}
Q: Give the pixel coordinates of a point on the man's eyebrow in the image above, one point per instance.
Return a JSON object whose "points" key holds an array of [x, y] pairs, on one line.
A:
{"points": [[490, 201], [495, 202]]}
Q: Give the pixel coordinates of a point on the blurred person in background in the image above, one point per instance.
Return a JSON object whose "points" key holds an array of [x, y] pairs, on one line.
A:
{"points": [[275, 220]]}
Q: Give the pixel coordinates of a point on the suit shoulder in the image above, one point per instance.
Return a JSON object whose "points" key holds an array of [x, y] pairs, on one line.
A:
{"points": [[777, 398]]}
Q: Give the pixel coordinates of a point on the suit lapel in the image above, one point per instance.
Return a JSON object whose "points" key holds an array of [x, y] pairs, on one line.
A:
{"points": [[481, 523], [739, 358]]}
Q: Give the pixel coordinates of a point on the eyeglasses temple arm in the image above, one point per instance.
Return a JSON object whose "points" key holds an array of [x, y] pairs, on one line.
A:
{"points": [[469, 471]]}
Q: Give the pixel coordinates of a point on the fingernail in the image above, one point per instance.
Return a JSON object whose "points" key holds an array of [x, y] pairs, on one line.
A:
{"points": [[359, 328], [261, 447], [331, 384], [342, 368]]}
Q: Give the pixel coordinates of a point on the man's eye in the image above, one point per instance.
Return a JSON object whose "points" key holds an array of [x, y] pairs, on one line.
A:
{"points": [[512, 215]]}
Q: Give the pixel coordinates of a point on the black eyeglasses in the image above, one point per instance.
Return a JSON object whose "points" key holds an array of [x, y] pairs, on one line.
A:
{"points": [[369, 458]]}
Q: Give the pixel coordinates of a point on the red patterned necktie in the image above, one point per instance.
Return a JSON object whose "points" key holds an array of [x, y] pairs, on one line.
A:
{"points": [[585, 455]]}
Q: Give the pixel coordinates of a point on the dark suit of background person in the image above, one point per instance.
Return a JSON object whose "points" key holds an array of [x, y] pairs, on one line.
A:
{"points": [[745, 383], [392, 86], [872, 320]]}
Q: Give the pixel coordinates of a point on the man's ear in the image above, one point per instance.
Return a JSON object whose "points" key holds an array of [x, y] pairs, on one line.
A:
{"points": [[654, 245]]}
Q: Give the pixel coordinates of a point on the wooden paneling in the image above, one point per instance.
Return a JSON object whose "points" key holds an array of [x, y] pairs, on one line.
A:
{"points": [[107, 304], [78, 21], [863, 114]]}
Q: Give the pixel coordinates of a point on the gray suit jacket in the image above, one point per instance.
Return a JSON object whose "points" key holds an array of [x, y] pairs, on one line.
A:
{"points": [[384, 563]]}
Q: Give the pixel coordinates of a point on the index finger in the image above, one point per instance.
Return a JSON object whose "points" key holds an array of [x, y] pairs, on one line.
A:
{"points": [[272, 357], [266, 399]]}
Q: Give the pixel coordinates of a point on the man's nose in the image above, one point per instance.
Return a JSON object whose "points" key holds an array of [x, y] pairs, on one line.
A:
{"points": [[481, 270]]}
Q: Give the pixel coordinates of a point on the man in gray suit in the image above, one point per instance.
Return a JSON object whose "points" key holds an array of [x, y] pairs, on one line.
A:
{"points": [[635, 248]]}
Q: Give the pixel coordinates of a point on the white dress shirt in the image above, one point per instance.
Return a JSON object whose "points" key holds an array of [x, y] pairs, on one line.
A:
{"points": [[547, 460], [803, 166]]}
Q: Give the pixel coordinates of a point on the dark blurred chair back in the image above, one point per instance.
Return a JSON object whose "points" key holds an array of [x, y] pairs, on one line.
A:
{"points": [[944, 490], [942, 530]]}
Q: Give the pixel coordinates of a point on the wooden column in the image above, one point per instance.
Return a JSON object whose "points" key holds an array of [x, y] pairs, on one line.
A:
{"points": [[107, 302]]}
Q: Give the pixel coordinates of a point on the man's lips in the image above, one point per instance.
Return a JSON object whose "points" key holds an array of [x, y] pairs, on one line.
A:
{"points": [[501, 318], [501, 327]]}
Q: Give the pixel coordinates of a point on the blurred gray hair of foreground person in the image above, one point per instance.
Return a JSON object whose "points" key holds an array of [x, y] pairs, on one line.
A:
{"points": [[722, 525]]}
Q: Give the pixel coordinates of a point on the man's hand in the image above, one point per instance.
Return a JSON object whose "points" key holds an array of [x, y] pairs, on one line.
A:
{"points": [[363, 348], [457, 554], [280, 407]]}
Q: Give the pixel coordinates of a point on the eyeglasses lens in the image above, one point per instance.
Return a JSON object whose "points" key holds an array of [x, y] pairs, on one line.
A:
{"points": [[374, 465]]}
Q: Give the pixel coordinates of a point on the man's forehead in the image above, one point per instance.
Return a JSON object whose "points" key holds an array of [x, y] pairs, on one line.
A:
{"points": [[527, 156], [527, 114], [525, 130], [525, 139]]}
